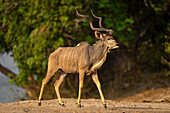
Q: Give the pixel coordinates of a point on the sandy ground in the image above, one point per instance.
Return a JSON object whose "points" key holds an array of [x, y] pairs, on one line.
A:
{"points": [[89, 105]]}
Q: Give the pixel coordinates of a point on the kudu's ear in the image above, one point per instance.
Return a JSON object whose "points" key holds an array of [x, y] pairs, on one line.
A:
{"points": [[98, 35]]}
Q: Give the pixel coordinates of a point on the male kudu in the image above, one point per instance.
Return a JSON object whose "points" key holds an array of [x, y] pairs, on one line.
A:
{"points": [[82, 59]]}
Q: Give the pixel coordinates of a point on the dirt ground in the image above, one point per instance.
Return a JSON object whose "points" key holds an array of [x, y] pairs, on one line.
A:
{"points": [[89, 105], [149, 94]]}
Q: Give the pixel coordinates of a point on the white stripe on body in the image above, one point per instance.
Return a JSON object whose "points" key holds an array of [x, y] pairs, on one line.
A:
{"points": [[78, 48], [78, 44], [72, 58], [68, 57], [75, 60], [64, 58]]}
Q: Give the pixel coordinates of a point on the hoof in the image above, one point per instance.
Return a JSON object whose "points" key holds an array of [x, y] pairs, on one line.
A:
{"points": [[104, 105], [62, 104], [80, 106], [39, 103]]}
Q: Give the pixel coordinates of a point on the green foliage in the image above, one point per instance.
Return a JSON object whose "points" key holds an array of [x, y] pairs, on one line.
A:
{"points": [[32, 29]]}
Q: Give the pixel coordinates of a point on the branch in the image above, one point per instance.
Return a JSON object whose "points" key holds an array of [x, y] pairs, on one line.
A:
{"points": [[14, 4], [68, 36], [32, 89], [77, 21], [148, 4], [7, 72], [9, 8]]}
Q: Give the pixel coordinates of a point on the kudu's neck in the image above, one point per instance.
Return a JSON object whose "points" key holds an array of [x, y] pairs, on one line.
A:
{"points": [[98, 50]]}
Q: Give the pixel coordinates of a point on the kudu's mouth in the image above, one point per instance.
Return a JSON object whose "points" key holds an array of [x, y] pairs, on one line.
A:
{"points": [[114, 47]]}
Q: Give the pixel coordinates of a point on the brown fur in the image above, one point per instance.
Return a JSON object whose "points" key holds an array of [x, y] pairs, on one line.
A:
{"points": [[82, 59]]}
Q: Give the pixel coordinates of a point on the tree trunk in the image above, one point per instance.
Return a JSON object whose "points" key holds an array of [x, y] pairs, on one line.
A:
{"points": [[32, 90]]}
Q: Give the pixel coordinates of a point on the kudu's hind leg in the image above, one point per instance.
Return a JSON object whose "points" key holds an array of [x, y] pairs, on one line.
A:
{"points": [[57, 85], [50, 72], [97, 82], [44, 82]]}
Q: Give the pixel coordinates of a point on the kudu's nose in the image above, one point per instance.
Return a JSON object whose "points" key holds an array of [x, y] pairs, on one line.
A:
{"points": [[116, 45]]}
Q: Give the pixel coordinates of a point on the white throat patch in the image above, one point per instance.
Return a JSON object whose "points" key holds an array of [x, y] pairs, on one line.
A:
{"points": [[99, 64]]}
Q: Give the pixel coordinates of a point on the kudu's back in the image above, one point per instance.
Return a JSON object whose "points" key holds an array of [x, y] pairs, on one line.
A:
{"points": [[71, 59]]}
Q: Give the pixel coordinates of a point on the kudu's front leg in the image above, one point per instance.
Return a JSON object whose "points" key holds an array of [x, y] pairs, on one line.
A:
{"points": [[97, 82], [81, 79]]}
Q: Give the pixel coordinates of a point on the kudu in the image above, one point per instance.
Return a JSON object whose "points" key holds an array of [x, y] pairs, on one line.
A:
{"points": [[82, 59]]}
